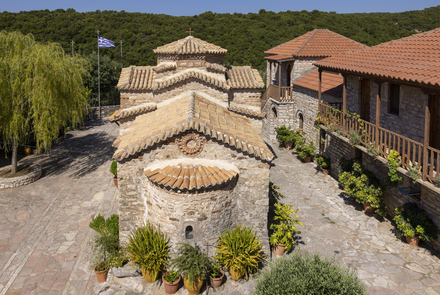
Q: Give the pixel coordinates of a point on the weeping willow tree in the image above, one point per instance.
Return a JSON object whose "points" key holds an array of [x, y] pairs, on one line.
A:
{"points": [[41, 92]]}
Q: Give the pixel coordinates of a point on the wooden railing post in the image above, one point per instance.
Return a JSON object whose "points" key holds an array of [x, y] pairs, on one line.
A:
{"points": [[344, 102], [319, 87], [279, 79], [426, 139], [377, 139]]}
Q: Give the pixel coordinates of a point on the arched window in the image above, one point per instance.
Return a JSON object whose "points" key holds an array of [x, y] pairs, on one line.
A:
{"points": [[189, 235], [274, 111], [301, 122]]}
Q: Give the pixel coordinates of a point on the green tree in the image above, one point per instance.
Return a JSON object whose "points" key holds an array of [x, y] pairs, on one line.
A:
{"points": [[41, 91]]}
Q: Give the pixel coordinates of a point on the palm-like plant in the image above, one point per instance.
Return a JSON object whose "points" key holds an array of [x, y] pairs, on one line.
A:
{"points": [[239, 249], [149, 248], [192, 263]]}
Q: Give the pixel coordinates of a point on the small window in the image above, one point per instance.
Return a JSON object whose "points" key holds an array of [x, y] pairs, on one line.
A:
{"points": [[301, 123], [189, 235], [394, 99], [274, 110]]}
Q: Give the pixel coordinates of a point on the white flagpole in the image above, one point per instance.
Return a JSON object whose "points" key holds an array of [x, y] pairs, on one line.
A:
{"points": [[99, 87]]}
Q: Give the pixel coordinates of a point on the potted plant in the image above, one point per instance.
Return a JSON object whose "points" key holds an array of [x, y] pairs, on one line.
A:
{"points": [[114, 171], [393, 163], [216, 275], [105, 246], [322, 144], [285, 136], [414, 224], [284, 228], [171, 280], [194, 266], [306, 152], [148, 247], [239, 251], [324, 163]]}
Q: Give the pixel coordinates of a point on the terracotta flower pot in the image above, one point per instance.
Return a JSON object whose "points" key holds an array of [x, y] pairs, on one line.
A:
{"points": [[307, 159], [101, 276], [217, 282], [235, 275], [148, 276], [115, 181], [170, 288], [279, 249], [288, 145], [326, 171], [414, 241], [194, 286], [368, 208]]}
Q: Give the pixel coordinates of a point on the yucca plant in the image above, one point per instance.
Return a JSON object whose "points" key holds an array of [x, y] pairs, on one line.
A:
{"points": [[239, 249], [149, 248], [192, 263]]}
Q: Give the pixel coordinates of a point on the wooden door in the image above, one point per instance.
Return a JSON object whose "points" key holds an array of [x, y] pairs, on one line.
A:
{"points": [[365, 99], [434, 107]]}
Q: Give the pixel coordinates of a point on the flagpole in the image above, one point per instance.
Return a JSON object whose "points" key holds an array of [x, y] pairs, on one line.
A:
{"points": [[121, 54], [99, 89]]}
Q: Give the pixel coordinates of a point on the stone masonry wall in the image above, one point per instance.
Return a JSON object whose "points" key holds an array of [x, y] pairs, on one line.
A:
{"points": [[303, 66], [247, 98], [250, 192], [411, 119], [429, 201], [277, 114], [134, 98]]}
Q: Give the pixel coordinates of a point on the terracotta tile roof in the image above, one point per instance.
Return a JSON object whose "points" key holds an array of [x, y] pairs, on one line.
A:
{"points": [[215, 67], [206, 77], [132, 111], [165, 67], [191, 113], [190, 177], [278, 57], [246, 112], [414, 59], [189, 45], [331, 84], [135, 78], [244, 77], [316, 43]]}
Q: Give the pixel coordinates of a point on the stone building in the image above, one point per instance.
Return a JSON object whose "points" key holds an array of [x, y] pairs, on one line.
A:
{"points": [[291, 96], [395, 88], [190, 155]]}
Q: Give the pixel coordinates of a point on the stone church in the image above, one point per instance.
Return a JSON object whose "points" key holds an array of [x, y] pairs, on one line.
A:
{"points": [[190, 155]]}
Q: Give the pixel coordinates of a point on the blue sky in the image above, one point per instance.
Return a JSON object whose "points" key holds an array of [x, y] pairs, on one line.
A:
{"points": [[193, 7]]}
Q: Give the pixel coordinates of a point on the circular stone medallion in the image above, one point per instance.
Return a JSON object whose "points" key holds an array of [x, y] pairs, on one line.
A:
{"points": [[191, 144]]}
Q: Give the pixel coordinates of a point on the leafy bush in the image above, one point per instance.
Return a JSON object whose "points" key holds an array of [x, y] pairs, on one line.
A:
{"points": [[149, 248], [413, 221], [114, 168], [285, 135], [355, 137], [274, 195], [322, 161], [414, 171], [364, 186], [301, 273], [393, 163], [240, 249], [215, 270], [192, 263], [171, 276], [284, 226], [305, 150], [372, 150]]}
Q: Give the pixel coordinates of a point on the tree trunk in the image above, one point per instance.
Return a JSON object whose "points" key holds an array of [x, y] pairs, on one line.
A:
{"points": [[14, 158]]}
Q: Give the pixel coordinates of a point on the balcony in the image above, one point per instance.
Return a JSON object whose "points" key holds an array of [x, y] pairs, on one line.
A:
{"points": [[411, 151], [283, 93]]}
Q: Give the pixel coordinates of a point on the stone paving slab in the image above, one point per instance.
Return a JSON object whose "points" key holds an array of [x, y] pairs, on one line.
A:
{"points": [[44, 225]]}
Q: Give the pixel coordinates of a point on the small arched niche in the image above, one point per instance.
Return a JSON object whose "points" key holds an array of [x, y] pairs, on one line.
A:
{"points": [[301, 123], [189, 232]]}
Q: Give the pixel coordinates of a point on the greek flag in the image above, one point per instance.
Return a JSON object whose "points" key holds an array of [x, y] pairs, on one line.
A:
{"points": [[106, 43]]}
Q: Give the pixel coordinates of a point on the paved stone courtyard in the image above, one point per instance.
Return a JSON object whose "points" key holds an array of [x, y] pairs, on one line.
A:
{"points": [[44, 226]]}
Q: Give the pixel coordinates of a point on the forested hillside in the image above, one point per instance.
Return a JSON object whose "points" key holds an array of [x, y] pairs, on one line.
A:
{"points": [[245, 36]]}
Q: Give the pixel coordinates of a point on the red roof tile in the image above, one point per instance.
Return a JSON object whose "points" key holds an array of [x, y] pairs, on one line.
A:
{"points": [[317, 43], [414, 59], [331, 84]]}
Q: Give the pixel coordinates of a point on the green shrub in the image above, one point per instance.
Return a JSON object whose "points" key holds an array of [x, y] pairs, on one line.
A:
{"points": [[304, 274], [414, 171], [274, 195], [284, 226], [305, 150], [393, 163], [192, 263], [114, 168], [355, 137], [240, 249], [413, 221], [171, 277], [372, 150], [323, 161], [285, 135], [148, 247]]}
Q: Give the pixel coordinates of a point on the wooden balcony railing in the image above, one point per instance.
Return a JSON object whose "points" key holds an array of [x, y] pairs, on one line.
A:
{"points": [[283, 93], [384, 140]]}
